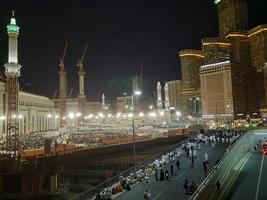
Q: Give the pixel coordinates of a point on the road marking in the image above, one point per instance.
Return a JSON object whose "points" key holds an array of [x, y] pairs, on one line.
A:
{"points": [[259, 179], [179, 176], [157, 196]]}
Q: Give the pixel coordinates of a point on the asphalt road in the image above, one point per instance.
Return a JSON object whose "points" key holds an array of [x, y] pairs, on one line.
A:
{"points": [[173, 189], [251, 184]]}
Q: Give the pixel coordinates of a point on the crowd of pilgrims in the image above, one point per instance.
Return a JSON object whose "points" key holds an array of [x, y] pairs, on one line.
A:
{"points": [[89, 136]]}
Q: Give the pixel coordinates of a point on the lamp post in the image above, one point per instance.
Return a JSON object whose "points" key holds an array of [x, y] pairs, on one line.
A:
{"points": [[195, 107], [135, 93]]}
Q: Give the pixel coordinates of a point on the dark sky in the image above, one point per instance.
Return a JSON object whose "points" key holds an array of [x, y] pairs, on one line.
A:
{"points": [[121, 35]]}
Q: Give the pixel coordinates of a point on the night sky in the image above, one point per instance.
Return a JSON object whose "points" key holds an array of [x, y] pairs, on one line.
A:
{"points": [[121, 35]]}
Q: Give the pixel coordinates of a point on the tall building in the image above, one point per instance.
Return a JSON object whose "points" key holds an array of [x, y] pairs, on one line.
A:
{"points": [[233, 16], [191, 60], [228, 91], [233, 73], [258, 46], [215, 50], [175, 94], [240, 48]]}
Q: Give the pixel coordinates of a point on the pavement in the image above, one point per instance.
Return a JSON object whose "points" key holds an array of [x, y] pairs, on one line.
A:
{"points": [[173, 189], [252, 180]]}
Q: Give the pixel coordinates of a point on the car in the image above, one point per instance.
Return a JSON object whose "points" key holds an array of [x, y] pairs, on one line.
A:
{"points": [[264, 148]]}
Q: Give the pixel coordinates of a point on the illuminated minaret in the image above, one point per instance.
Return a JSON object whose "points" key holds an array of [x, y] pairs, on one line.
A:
{"points": [[103, 105], [12, 72], [167, 99], [81, 73], [62, 87], [81, 96], [159, 101]]}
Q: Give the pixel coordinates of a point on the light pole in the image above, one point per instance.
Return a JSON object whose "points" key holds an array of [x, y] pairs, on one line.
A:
{"points": [[135, 93], [195, 107]]}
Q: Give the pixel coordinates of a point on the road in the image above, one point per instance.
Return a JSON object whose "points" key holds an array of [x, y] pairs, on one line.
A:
{"points": [[173, 189], [252, 180]]}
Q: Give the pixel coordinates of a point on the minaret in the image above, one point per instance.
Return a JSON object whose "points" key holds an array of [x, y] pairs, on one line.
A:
{"points": [[167, 99], [81, 96], [159, 101], [81, 73], [12, 72], [103, 105], [62, 85]]}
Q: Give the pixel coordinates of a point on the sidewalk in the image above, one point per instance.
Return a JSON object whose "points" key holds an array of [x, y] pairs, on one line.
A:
{"points": [[173, 189]]}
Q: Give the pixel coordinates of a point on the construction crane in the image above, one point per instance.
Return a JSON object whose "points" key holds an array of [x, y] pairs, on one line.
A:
{"points": [[80, 60], [61, 60], [55, 94], [71, 90]]}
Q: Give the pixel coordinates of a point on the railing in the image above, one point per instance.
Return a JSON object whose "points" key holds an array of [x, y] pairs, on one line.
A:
{"points": [[226, 170], [90, 193]]}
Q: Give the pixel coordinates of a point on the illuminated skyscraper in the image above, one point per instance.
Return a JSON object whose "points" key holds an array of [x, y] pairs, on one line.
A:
{"points": [[174, 88], [191, 60], [233, 16]]}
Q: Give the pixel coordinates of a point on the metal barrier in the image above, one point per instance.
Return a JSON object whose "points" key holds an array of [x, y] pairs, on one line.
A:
{"points": [[90, 193], [226, 170]]}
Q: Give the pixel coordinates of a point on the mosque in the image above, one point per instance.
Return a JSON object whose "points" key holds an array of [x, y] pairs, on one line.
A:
{"points": [[35, 112]]}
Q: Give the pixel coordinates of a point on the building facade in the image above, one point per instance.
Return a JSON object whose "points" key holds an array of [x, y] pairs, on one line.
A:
{"points": [[228, 91], [94, 107], [233, 16], [175, 94], [233, 73], [191, 60], [123, 104], [36, 113]]}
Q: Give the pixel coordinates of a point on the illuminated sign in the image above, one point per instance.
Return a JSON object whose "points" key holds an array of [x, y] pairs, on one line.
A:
{"points": [[217, 1]]}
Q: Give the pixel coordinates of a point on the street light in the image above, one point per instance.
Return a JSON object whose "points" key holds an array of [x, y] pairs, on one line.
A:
{"points": [[195, 107], [135, 93]]}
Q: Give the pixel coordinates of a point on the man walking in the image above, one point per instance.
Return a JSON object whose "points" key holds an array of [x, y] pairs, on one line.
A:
{"points": [[178, 164], [167, 175], [146, 195], [171, 169], [193, 162], [218, 187]]}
